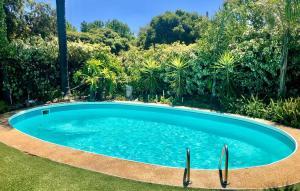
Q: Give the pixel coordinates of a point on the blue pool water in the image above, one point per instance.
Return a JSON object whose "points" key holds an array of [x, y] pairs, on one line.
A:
{"points": [[156, 134]]}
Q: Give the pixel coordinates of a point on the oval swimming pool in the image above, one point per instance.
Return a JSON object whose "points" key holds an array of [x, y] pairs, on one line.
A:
{"points": [[156, 134]]}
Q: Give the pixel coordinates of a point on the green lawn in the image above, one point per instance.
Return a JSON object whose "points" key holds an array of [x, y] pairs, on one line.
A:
{"points": [[20, 171]]}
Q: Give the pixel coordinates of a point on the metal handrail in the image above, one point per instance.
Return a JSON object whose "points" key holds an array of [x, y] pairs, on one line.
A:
{"points": [[226, 153], [187, 170]]}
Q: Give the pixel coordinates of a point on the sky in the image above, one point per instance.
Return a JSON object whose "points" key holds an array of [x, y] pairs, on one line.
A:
{"points": [[136, 13]]}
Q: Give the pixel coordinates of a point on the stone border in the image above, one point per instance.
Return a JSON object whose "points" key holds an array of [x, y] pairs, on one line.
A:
{"points": [[282, 173]]}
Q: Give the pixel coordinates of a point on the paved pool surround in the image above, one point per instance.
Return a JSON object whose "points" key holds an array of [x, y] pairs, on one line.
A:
{"points": [[282, 173]]}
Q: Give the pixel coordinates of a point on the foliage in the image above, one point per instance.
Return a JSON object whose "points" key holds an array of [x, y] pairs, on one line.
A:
{"points": [[3, 34], [150, 76], [70, 27], [79, 53], [30, 69], [253, 107], [171, 27], [90, 74], [286, 112], [255, 48], [162, 55], [3, 107], [225, 71], [103, 36], [86, 27], [121, 28], [101, 74], [25, 18], [176, 74], [115, 25]]}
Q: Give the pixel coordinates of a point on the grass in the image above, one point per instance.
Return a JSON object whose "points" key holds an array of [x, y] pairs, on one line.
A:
{"points": [[20, 171]]}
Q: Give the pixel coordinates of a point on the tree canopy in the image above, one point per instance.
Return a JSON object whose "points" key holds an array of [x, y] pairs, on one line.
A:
{"points": [[171, 27], [115, 25]]}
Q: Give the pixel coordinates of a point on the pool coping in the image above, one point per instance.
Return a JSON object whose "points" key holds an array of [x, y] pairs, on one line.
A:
{"points": [[282, 173]]}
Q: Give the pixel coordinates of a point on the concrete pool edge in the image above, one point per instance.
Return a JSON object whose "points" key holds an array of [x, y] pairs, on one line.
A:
{"points": [[285, 172]]}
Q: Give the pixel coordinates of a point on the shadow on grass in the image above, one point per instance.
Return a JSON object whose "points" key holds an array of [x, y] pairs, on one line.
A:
{"points": [[287, 188]]}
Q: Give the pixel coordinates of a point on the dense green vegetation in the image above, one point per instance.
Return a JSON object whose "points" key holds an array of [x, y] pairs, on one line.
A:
{"points": [[172, 27], [242, 60]]}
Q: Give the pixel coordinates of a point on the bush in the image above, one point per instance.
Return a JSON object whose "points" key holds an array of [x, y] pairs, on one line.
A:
{"points": [[31, 70], [286, 112], [253, 107], [3, 107]]}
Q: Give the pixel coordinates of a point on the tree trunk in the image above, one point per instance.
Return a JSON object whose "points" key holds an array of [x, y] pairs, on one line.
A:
{"points": [[62, 39], [284, 62]]}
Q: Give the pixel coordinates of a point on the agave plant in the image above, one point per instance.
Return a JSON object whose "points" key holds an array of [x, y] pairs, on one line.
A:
{"points": [[224, 69], [176, 73], [150, 75]]}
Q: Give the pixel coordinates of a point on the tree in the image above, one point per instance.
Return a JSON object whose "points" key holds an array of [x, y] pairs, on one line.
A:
{"points": [[3, 34], [14, 11], [121, 28], [101, 36], [40, 19], [87, 27], [26, 18], [70, 27], [171, 27], [62, 39], [3, 42], [288, 17]]}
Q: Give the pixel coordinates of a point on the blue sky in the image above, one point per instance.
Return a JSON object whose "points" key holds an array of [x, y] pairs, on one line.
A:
{"points": [[136, 13]]}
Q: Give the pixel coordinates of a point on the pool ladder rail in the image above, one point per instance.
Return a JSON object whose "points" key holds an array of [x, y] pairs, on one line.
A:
{"points": [[224, 181], [187, 171]]}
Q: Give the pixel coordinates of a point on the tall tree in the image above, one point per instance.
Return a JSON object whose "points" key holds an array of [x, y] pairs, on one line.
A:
{"points": [[289, 16], [14, 11], [3, 41], [62, 38], [87, 27], [40, 19], [3, 35], [171, 27], [121, 28]]}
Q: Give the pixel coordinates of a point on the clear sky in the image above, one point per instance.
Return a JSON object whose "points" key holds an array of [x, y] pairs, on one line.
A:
{"points": [[136, 13]]}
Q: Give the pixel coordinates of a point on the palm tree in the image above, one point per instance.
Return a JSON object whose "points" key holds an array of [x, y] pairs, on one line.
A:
{"points": [[289, 17], [62, 39], [177, 66]]}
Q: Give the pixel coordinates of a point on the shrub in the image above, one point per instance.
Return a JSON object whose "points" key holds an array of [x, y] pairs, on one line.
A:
{"points": [[31, 70], [286, 112], [3, 107], [253, 107]]}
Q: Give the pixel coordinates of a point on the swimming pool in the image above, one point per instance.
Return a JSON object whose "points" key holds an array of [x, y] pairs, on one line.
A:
{"points": [[156, 135]]}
